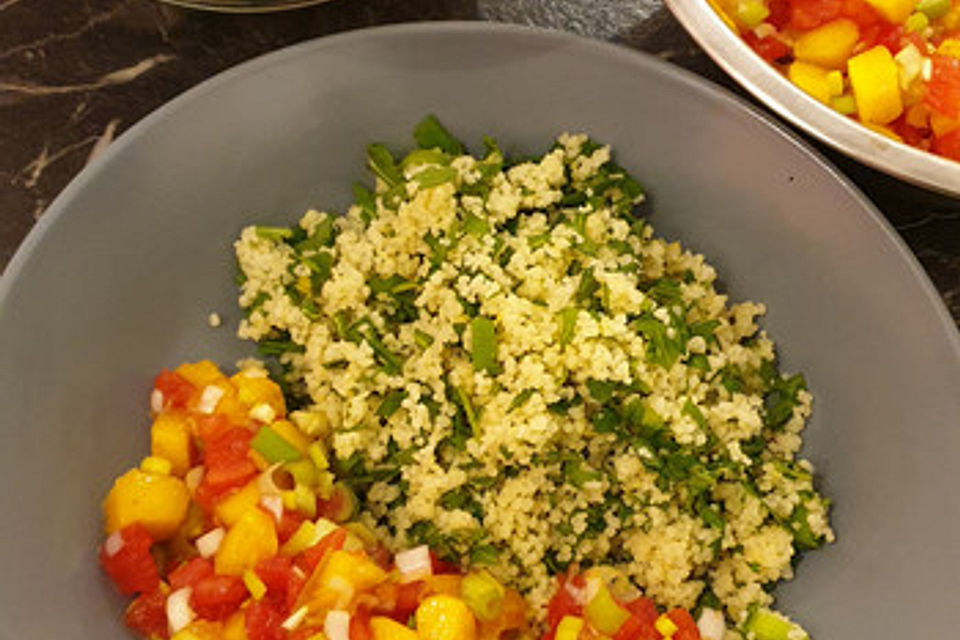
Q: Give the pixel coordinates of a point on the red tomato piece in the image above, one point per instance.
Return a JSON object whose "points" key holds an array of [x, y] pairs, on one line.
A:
{"points": [[686, 627], [562, 604], [275, 573], [948, 146], [779, 13], [809, 14], [308, 560], [189, 573], [125, 556], [216, 597], [175, 388], [227, 447], [147, 614], [643, 608], [290, 521], [768, 48], [637, 629], [442, 567], [943, 90], [210, 428], [360, 625], [263, 619], [408, 598]]}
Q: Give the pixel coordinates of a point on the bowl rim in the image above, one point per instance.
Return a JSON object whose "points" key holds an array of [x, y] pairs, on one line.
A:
{"points": [[848, 136], [242, 6]]}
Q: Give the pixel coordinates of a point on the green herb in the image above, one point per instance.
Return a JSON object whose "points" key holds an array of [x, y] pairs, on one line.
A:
{"points": [[484, 344], [484, 554], [568, 324], [423, 339], [275, 234], [430, 134], [322, 236], [601, 390], [391, 403], [435, 176], [520, 399], [366, 201], [577, 474], [278, 347], [475, 225], [381, 162]]}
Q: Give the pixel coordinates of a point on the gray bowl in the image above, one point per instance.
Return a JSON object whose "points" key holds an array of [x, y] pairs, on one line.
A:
{"points": [[840, 132], [118, 277]]}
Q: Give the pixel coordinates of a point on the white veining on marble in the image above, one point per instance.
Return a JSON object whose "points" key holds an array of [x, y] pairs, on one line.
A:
{"points": [[120, 76], [54, 37], [104, 140]]}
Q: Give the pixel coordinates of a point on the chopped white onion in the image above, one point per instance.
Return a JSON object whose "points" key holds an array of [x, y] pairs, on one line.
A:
{"points": [[593, 586], [579, 595], [156, 400], [179, 613], [273, 504], [263, 412], [711, 624], [209, 543], [926, 71], [336, 626], [414, 564], [209, 398], [193, 478], [296, 618], [113, 544]]}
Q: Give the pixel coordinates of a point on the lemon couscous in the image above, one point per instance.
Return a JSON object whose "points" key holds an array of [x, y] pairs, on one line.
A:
{"points": [[510, 367]]}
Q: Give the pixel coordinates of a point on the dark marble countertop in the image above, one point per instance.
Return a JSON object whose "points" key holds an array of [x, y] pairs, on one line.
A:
{"points": [[75, 74]]}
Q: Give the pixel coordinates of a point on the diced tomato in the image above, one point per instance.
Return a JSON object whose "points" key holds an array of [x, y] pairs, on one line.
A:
{"points": [[216, 597], [686, 627], [290, 521], [227, 446], [130, 565], [779, 13], [864, 15], [175, 388], [943, 90], [408, 598], [211, 427], [228, 465], [263, 619], [442, 567], [910, 134], [308, 560], [768, 48], [147, 614], [562, 604], [382, 556], [360, 625], [948, 146], [643, 608], [808, 14], [637, 629], [275, 573], [190, 573]]}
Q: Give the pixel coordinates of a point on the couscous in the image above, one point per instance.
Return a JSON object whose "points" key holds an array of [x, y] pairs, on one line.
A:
{"points": [[510, 367]]}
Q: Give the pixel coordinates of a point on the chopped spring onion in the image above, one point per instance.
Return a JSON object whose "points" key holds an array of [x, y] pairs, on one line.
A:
{"points": [[414, 564], [179, 612], [273, 233], [764, 624], [209, 543], [209, 399], [273, 504], [483, 594], [263, 412], [336, 626], [274, 447], [711, 624], [295, 618], [484, 348]]}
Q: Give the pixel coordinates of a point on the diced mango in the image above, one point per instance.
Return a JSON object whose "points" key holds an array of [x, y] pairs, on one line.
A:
{"points": [[200, 374], [950, 47], [445, 618], [289, 432], [895, 11], [156, 501], [724, 13], [170, 439], [813, 80], [338, 577], [951, 21], [918, 116], [234, 628], [200, 630], [941, 125], [569, 628], [829, 45], [229, 510], [875, 80], [386, 629], [254, 390], [252, 539], [886, 132]]}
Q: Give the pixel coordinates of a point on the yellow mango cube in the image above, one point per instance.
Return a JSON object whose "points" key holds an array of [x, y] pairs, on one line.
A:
{"points": [[875, 79], [229, 510], [254, 390], [895, 11], [950, 47], [234, 628], [445, 618], [387, 629], [338, 577], [170, 439], [941, 125], [158, 502], [200, 630], [252, 539], [812, 79], [200, 374], [829, 45]]}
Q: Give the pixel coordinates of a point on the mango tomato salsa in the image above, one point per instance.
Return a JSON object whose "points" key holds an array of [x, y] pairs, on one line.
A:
{"points": [[893, 65], [234, 528]]}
